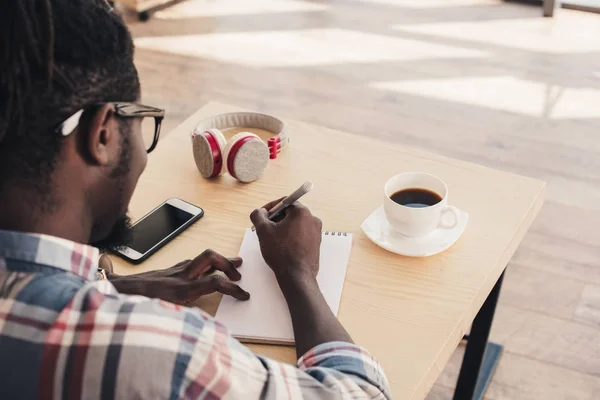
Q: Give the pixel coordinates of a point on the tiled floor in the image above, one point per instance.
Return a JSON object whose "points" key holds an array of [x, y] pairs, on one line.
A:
{"points": [[481, 80]]}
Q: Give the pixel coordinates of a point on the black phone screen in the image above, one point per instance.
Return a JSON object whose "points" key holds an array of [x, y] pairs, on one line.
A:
{"points": [[157, 226]]}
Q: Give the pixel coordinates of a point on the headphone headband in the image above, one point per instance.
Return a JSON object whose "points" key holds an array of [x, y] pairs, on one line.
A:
{"points": [[249, 120]]}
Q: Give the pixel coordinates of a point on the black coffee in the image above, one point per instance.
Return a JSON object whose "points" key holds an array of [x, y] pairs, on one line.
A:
{"points": [[416, 197]]}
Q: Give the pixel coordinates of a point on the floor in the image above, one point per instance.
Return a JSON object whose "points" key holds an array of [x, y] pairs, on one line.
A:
{"points": [[480, 80], [586, 5]]}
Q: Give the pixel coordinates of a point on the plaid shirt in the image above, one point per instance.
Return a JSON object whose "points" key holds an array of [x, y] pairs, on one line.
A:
{"points": [[64, 334]]}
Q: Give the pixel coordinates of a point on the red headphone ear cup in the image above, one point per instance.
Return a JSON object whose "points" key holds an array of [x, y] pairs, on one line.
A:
{"points": [[246, 157], [208, 151]]}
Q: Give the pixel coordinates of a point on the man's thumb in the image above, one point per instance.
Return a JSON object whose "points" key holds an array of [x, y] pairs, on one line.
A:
{"points": [[260, 218]]}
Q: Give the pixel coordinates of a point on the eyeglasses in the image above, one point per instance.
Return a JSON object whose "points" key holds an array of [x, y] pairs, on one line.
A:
{"points": [[150, 125]]}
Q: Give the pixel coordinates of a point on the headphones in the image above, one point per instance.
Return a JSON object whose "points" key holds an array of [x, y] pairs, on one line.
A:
{"points": [[245, 155]]}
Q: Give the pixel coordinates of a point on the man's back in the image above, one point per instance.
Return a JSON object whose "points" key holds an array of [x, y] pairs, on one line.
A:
{"points": [[64, 334]]}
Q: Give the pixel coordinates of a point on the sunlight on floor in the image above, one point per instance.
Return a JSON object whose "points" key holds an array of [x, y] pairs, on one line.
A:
{"points": [[567, 33], [506, 93], [214, 8], [432, 3], [303, 47]]}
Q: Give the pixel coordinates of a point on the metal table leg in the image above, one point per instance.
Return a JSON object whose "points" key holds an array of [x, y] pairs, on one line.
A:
{"points": [[481, 357], [549, 7]]}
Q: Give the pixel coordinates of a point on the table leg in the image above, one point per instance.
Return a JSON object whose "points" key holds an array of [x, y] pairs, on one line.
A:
{"points": [[481, 357], [549, 6]]}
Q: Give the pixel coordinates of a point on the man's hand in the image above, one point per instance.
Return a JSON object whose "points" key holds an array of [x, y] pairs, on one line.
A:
{"points": [[290, 246], [186, 281]]}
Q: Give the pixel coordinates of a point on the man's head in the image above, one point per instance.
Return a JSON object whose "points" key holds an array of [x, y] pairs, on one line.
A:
{"points": [[58, 57]]}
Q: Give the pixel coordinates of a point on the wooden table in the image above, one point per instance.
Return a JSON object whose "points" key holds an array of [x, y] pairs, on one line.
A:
{"points": [[411, 313]]}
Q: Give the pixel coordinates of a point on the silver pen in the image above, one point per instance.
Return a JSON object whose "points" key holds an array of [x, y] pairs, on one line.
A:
{"points": [[291, 199]]}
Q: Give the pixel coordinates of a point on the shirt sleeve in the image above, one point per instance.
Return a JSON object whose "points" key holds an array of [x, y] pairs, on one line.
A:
{"points": [[335, 370], [347, 368]]}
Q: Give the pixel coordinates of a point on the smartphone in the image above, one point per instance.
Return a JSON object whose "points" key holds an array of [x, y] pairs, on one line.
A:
{"points": [[158, 227]]}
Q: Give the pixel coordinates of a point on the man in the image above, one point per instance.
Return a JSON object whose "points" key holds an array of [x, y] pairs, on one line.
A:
{"points": [[70, 158]]}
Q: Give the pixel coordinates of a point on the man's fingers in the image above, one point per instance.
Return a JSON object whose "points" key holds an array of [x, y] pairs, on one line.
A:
{"points": [[182, 264], [236, 261], [210, 259], [297, 209], [273, 203], [217, 283], [260, 219]]}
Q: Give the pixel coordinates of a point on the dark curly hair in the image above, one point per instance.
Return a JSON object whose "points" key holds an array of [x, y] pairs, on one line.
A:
{"points": [[56, 57]]}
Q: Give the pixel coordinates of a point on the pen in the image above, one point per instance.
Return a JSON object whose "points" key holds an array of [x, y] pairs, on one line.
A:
{"points": [[291, 199]]}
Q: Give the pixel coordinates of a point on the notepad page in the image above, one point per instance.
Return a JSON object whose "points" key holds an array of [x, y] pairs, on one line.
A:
{"points": [[265, 318]]}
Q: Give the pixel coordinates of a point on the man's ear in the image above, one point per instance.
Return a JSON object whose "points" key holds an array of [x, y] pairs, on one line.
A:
{"points": [[99, 135]]}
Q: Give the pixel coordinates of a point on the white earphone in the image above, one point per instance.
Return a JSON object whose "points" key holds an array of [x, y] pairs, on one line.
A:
{"points": [[245, 155]]}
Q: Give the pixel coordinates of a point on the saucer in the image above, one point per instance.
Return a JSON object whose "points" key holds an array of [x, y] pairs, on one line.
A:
{"points": [[379, 231]]}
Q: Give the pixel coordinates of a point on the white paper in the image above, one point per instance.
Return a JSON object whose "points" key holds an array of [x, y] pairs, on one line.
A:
{"points": [[265, 317]]}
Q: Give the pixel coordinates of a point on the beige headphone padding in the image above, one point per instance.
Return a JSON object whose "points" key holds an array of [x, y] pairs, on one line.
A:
{"points": [[250, 159], [220, 139], [203, 155], [234, 139]]}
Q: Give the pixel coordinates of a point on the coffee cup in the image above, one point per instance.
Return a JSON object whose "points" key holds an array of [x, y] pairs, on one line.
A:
{"points": [[416, 203]]}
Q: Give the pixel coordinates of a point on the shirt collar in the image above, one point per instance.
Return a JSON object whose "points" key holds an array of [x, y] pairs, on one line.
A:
{"points": [[51, 251]]}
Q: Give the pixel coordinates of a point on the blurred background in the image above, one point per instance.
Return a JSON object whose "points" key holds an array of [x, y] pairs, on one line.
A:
{"points": [[487, 81]]}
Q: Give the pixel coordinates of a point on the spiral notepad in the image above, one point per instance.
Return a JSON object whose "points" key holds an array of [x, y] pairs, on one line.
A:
{"points": [[265, 318]]}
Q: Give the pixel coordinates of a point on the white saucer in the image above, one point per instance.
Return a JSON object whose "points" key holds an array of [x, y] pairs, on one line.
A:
{"points": [[377, 228]]}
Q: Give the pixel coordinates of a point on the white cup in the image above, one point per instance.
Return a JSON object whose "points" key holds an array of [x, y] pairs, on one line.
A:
{"points": [[412, 221]]}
